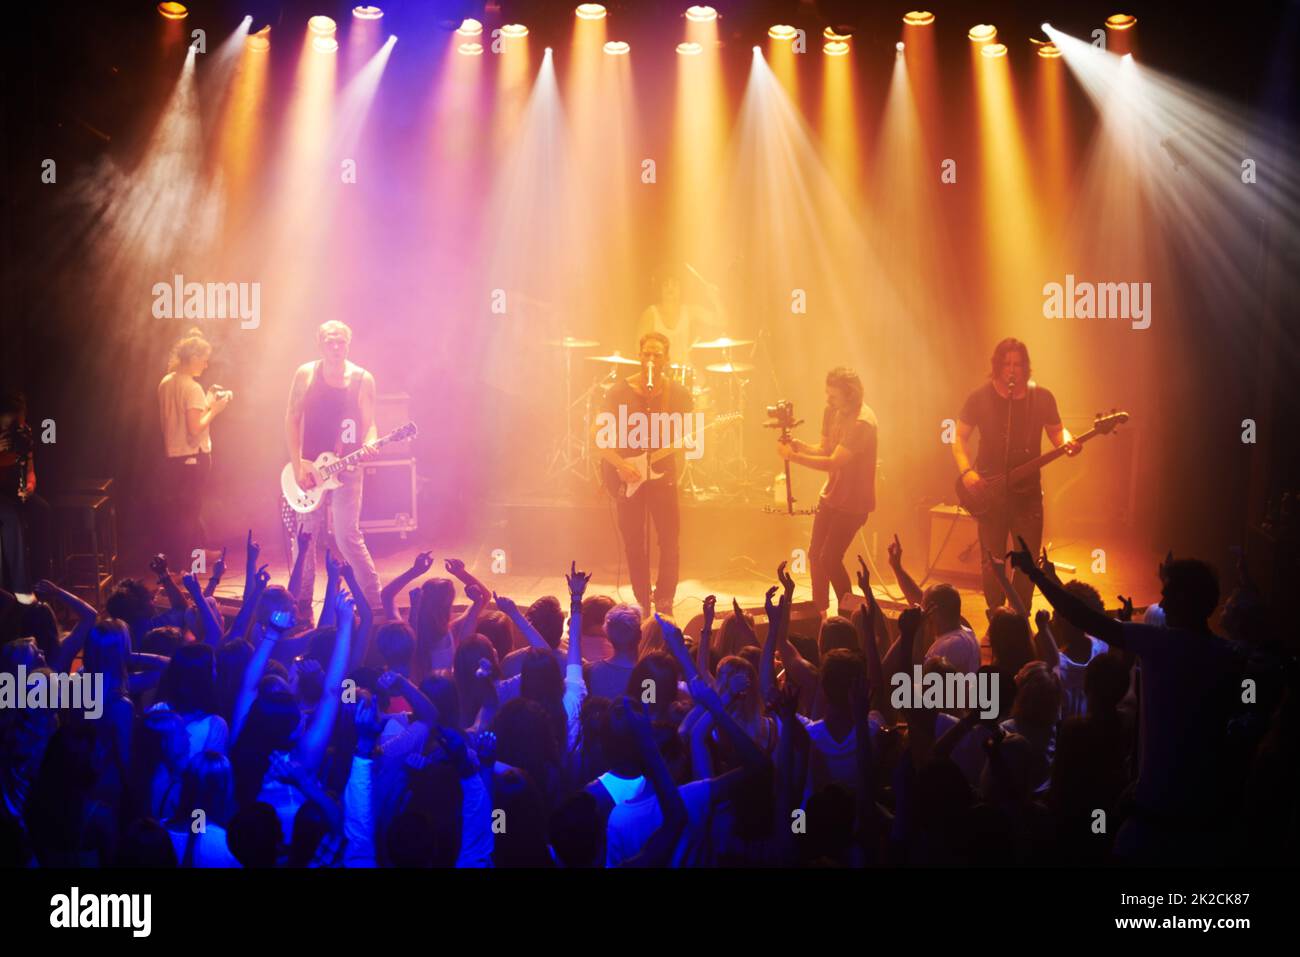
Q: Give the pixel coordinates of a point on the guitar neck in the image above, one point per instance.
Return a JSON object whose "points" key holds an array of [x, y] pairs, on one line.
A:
{"points": [[1020, 471], [346, 460], [661, 454]]}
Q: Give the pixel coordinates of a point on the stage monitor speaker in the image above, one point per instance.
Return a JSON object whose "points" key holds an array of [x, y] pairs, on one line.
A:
{"points": [[389, 500], [954, 545]]}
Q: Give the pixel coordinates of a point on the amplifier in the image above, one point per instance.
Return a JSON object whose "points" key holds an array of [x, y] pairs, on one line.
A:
{"points": [[954, 544], [389, 496]]}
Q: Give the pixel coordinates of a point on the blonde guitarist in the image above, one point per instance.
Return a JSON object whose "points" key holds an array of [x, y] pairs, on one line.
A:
{"points": [[332, 409]]}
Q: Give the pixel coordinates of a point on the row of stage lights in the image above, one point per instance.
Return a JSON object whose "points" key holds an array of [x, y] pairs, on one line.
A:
{"points": [[835, 43]]}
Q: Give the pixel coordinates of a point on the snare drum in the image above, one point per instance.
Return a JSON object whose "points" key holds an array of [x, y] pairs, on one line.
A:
{"points": [[683, 375]]}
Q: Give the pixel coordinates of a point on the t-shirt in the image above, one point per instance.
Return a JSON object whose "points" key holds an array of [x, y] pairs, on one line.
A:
{"points": [[632, 823], [987, 412], [671, 398], [177, 393], [1073, 701], [608, 679], [960, 647], [841, 757], [851, 488], [210, 848], [1187, 691]]}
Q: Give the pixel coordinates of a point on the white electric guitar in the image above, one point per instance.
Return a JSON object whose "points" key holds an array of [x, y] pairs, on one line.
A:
{"points": [[326, 470]]}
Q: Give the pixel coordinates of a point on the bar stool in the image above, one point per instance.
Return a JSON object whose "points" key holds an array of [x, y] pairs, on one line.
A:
{"points": [[87, 542]]}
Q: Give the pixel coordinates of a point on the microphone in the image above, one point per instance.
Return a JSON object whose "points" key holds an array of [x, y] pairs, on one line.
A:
{"points": [[650, 376]]}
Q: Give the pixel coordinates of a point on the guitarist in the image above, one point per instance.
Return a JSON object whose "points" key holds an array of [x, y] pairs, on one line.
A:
{"points": [[332, 409], [1011, 413], [648, 391]]}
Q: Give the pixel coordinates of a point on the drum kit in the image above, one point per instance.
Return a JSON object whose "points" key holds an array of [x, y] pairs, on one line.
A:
{"points": [[717, 381]]}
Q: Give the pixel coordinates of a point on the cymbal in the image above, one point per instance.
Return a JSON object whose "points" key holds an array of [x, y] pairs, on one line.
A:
{"points": [[728, 368], [568, 342], [724, 343], [614, 360]]}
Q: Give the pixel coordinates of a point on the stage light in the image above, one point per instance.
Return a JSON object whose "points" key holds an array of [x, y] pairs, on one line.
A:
{"points": [[617, 48], [260, 41], [590, 11], [835, 48], [1047, 27], [367, 13], [470, 49], [918, 18], [325, 44], [830, 33], [756, 50], [701, 14], [322, 26], [1049, 51], [1121, 21], [994, 50], [173, 11], [689, 49], [469, 27], [983, 32], [899, 46], [514, 31], [782, 31]]}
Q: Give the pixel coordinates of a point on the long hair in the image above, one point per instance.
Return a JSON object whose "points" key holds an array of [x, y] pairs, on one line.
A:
{"points": [[1009, 344], [187, 347]]}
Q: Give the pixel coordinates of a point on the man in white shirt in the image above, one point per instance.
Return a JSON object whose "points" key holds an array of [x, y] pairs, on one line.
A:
{"points": [[1076, 649]]}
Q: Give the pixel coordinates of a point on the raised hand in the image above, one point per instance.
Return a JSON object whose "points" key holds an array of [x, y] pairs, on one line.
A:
{"points": [[262, 577], [368, 721], [304, 539], [485, 746], [1022, 559], [345, 606], [1125, 608], [251, 550], [476, 594], [864, 578], [1047, 566], [423, 562], [219, 566], [784, 578], [743, 623], [704, 696], [333, 567], [46, 590], [577, 581], [191, 582], [772, 609], [895, 550], [506, 605], [710, 609], [158, 565], [909, 622], [455, 567], [1043, 619]]}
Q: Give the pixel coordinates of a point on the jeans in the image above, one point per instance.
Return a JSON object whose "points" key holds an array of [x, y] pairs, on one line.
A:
{"points": [[1022, 517], [658, 500], [832, 533], [344, 505], [186, 478]]}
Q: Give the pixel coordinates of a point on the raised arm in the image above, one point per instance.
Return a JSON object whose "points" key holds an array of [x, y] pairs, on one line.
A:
{"points": [[252, 595], [511, 611], [311, 749], [424, 710], [766, 663], [361, 639], [703, 662], [248, 686], [899, 657], [295, 575], [870, 621], [71, 646], [158, 565], [209, 624], [911, 590], [251, 550], [1073, 610], [218, 572], [1045, 642], [477, 593], [388, 596]]}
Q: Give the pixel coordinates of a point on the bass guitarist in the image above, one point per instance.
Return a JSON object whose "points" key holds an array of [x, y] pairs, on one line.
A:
{"points": [[332, 409], [648, 391], [1010, 412]]}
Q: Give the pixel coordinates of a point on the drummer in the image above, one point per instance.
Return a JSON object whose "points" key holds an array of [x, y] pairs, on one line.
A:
{"points": [[682, 323]]}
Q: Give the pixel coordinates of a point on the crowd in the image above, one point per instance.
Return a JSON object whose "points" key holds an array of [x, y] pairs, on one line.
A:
{"points": [[501, 736]]}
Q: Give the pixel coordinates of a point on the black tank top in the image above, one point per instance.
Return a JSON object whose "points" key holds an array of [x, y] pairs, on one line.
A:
{"points": [[325, 410]]}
